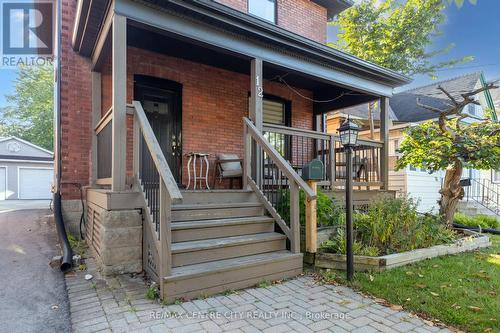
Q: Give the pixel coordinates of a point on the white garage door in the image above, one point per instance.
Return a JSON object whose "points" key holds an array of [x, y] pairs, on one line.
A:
{"points": [[35, 183], [3, 176]]}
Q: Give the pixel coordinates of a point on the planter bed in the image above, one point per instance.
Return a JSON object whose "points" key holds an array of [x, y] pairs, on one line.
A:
{"points": [[471, 241]]}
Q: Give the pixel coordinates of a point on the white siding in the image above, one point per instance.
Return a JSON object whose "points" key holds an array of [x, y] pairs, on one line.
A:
{"points": [[3, 183], [424, 187]]}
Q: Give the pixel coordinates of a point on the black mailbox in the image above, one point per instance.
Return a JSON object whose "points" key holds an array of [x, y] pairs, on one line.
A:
{"points": [[313, 170], [465, 182]]}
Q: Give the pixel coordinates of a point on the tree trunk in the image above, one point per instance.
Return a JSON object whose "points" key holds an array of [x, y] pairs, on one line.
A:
{"points": [[451, 193]]}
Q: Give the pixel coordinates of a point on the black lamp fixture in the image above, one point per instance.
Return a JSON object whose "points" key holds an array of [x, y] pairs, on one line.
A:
{"points": [[348, 132]]}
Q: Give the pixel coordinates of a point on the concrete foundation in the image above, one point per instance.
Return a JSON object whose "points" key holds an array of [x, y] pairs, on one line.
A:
{"points": [[114, 237], [72, 211]]}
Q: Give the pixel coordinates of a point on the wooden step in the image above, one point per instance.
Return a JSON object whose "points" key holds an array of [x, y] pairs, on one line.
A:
{"points": [[194, 252], [210, 211], [206, 229], [217, 276], [218, 196]]}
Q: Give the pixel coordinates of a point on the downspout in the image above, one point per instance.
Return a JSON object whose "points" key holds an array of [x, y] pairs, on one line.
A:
{"points": [[67, 255], [489, 100]]}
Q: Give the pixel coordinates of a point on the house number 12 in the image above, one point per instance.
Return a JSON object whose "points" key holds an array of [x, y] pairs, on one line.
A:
{"points": [[260, 90]]}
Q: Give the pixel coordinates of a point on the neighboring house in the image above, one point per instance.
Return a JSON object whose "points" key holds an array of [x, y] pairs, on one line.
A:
{"points": [[26, 170], [405, 112], [146, 83]]}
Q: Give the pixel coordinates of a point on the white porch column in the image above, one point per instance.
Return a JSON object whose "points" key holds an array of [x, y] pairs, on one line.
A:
{"points": [[119, 99], [256, 96], [384, 137], [96, 116]]}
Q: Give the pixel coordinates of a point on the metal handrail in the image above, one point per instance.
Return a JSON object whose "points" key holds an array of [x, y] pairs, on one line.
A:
{"points": [[488, 194]]}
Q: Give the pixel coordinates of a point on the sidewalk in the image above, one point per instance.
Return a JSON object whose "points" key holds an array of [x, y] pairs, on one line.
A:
{"points": [[298, 305]]}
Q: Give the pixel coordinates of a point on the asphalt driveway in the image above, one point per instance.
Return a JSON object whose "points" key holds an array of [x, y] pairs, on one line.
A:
{"points": [[33, 296]]}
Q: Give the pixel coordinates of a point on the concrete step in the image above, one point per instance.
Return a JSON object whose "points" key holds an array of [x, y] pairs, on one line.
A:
{"points": [[213, 277], [210, 211], [206, 229], [199, 251]]}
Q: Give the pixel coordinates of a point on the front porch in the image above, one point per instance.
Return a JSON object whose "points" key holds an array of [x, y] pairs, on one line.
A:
{"points": [[160, 92]]}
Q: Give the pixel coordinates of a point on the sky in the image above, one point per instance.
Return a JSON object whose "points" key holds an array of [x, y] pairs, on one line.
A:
{"points": [[474, 29]]}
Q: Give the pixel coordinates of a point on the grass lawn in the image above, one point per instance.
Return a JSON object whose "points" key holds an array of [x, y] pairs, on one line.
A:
{"points": [[461, 290]]}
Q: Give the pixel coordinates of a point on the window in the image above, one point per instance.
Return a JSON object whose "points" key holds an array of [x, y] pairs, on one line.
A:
{"points": [[496, 176], [275, 111], [471, 109], [265, 9]]}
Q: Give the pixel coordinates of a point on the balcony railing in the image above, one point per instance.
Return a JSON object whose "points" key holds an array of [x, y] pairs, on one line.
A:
{"points": [[299, 146]]}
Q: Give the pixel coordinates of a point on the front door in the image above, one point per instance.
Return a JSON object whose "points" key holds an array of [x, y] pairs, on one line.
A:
{"points": [[161, 101]]}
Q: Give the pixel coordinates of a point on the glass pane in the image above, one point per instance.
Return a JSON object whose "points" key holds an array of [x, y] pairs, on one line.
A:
{"points": [[263, 8]]}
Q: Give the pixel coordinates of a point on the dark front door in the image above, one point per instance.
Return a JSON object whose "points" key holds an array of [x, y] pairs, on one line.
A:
{"points": [[161, 100]]}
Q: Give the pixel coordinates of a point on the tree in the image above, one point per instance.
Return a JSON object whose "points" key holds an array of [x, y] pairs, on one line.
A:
{"points": [[452, 145], [30, 113], [394, 34]]}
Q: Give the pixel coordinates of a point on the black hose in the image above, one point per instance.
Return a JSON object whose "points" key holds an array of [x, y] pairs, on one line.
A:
{"points": [[67, 257], [477, 229]]}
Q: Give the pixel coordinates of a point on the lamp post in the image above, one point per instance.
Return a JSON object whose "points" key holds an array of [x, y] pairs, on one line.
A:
{"points": [[348, 132]]}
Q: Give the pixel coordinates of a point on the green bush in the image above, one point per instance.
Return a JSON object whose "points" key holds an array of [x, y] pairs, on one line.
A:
{"points": [[329, 211], [337, 244], [392, 225], [483, 221]]}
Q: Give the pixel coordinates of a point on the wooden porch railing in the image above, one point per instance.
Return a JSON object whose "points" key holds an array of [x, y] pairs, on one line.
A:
{"points": [[160, 189], [299, 146], [285, 184]]}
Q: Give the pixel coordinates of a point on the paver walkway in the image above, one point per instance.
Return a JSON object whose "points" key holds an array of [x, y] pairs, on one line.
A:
{"points": [[298, 305]]}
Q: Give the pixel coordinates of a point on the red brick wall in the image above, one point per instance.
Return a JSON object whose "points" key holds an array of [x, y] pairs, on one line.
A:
{"points": [[302, 17], [214, 102], [75, 110]]}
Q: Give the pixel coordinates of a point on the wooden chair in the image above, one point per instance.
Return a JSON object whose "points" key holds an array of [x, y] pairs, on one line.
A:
{"points": [[228, 166]]}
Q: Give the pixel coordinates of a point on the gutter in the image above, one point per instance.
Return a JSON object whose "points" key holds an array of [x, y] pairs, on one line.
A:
{"points": [[489, 99]]}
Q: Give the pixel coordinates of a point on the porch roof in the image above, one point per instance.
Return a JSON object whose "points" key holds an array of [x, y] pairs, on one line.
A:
{"points": [[90, 17]]}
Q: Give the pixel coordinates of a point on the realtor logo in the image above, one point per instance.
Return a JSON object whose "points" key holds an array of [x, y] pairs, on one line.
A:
{"points": [[27, 33]]}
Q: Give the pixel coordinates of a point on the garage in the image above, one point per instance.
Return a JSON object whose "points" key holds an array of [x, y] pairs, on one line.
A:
{"points": [[35, 183], [3, 183], [26, 170]]}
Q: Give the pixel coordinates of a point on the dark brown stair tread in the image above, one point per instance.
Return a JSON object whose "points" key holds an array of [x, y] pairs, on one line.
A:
{"points": [[229, 264], [215, 205], [212, 243], [220, 222]]}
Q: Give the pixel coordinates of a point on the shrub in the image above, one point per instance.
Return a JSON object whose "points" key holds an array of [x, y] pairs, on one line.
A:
{"points": [[483, 221], [392, 225], [329, 211], [337, 244]]}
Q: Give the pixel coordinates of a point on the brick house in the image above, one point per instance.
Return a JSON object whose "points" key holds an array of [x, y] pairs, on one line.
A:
{"points": [[145, 83]]}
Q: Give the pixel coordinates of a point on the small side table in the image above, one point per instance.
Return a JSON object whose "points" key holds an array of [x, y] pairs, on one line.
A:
{"points": [[203, 158]]}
